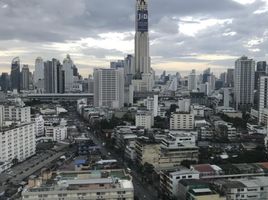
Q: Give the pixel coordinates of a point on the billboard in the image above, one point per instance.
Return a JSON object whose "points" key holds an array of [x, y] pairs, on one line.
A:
{"points": [[142, 18]]}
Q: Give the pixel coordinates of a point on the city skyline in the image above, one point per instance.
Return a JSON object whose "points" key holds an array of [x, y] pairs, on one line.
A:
{"points": [[180, 33]]}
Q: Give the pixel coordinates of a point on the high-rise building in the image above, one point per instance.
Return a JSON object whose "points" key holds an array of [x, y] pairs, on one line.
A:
{"points": [[192, 81], [263, 96], [15, 74], [205, 76], [142, 57], [244, 83], [261, 66], [68, 68], [109, 88], [39, 75], [117, 64], [230, 77], [129, 69], [261, 71], [5, 82], [54, 77], [25, 77]]}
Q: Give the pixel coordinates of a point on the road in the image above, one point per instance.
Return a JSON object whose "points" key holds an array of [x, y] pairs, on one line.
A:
{"points": [[142, 191]]}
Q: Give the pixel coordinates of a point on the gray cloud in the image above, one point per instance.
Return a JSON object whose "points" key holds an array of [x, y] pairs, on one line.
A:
{"points": [[34, 24]]}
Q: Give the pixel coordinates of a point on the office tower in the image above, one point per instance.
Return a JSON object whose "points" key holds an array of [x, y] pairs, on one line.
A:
{"points": [[109, 88], [211, 80], [54, 77], [117, 64], [5, 82], [142, 57], [15, 74], [129, 69], [223, 78], [226, 97], [261, 71], [205, 76], [192, 81], [25, 77], [68, 68], [90, 84], [244, 83], [75, 71], [39, 75], [230, 77]]}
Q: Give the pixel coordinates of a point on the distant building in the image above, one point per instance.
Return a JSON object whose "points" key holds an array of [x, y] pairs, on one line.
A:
{"points": [[15, 74], [5, 82], [244, 83], [39, 75], [230, 77], [25, 77], [109, 88], [192, 81], [263, 96], [54, 77], [67, 68]]}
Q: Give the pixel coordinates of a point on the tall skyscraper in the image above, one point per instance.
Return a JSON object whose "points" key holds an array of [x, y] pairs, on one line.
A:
{"points": [[260, 71], [244, 83], [25, 77], [230, 77], [39, 75], [263, 96], [68, 68], [192, 81], [109, 88], [15, 74], [5, 82], [54, 77], [129, 69], [142, 57]]}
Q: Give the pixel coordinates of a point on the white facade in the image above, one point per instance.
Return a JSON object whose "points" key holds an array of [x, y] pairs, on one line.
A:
{"points": [[263, 97], [17, 142], [39, 75], [244, 83], [192, 81], [109, 88], [184, 105], [10, 113], [39, 125], [181, 121], [152, 104], [58, 133], [226, 97], [144, 119], [68, 74]]}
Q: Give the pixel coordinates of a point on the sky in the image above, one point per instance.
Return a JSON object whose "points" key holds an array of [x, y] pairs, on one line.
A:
{"points": [[184, 34]]}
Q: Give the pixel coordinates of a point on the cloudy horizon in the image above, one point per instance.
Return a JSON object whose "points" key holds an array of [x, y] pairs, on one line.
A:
{"points": [[183, 34]]}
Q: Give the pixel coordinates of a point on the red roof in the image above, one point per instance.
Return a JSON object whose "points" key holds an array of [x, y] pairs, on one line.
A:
{"points": [[203, 168]]}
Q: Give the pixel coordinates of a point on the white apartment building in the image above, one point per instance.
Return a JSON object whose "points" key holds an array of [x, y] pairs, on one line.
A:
{"points": [[109, 88], [244, 83], [13, 113], [181, 121], [144, 119], [254, 188], [263, 98], [58, 133], [152, 104], [17, 142], [39, 125], [169, 180]]}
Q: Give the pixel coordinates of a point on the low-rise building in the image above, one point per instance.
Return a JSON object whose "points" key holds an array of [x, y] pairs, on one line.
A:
{"points": [[58, 133], [144, 119], [181, 121], [169, 180], [83, 185]]}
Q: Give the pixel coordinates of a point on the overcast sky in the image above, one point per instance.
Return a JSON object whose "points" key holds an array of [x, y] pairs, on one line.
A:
{"points": [[184, 34]]}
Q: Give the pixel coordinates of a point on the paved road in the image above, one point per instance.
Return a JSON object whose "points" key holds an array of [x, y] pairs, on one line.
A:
{"points": [[141, 191]]}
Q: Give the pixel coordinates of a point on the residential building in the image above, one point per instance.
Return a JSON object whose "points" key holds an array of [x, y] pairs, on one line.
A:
{"points": [[263, 96], [109, 88], [181, 121], [169, 180], [244, 83], [144, 119], [152, 104], [192, 81], [17, 142], [58, 133], [82, 185], [39, 125]]}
